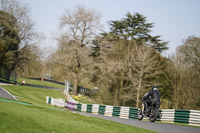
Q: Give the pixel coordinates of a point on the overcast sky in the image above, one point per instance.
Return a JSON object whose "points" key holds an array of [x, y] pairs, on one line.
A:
{"points": [[174, 20]]}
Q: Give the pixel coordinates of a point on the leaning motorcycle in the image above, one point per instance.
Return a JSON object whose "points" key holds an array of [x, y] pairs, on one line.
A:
{"points": [[152, 114]]}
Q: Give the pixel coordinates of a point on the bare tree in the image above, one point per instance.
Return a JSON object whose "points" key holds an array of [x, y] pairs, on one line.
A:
{"points": [[74, 63], [174, 69], [183, 74], [81, 23], [190, 52], [143, 68]]}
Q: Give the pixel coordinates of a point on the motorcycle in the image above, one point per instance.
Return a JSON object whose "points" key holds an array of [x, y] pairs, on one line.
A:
{"points": [[152, 114]]}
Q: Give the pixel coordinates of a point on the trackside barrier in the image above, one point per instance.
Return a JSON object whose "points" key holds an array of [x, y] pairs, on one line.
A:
{"points": [[194, 117], [124, 112], [95, 109], [55, 101], [70, 105], [108, 110], [61, 103], [116, 111], [133, 113], [69, 98], [167, 115], [84, 108], [191, 117]]}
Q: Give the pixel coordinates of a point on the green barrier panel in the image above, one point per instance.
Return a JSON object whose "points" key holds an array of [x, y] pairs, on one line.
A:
{"points": [[89, 108], [79, 107], [116, 111], [102, 109], [49, 100], [133, 113], [181, 116]]}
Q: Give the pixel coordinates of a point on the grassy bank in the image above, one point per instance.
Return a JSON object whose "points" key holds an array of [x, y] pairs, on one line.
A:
{"points": [[17, 118], [39, 117], [36, 96]]}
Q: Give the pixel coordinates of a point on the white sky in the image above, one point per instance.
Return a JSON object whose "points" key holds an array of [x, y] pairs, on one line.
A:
{"points": [[174, 20]]}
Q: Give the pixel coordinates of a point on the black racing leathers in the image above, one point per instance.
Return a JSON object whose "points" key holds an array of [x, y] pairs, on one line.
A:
{"points": [[151, 97]]}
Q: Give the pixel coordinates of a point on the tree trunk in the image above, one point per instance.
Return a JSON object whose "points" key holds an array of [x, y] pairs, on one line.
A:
{"points": [[75, 88], [138, 92], [116, 98], [140, 80]]}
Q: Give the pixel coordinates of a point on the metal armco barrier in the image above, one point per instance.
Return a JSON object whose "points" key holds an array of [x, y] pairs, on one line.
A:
{"points": [[191, 117]]}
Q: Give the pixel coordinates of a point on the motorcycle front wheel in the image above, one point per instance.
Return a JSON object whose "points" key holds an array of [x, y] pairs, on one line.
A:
{"points": [[140, 116], [154, 114]]}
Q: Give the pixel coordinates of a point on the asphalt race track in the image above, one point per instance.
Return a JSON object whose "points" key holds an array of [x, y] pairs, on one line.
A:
{"points": [[158, 127], [6, 94]]}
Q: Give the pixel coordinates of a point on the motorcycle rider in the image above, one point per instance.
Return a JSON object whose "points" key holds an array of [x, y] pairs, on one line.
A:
{"points": [[151, 97]]}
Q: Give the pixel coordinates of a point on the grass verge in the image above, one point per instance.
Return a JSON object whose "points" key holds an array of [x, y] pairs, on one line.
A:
{"points": [[18, 118], [36, 96]]}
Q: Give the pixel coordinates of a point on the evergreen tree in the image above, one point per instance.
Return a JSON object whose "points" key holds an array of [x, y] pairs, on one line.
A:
{"points": [[135, 27], [9, 40]]}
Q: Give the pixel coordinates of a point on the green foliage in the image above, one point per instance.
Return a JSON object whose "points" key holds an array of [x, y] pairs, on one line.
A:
{"points": [[9, 40], [135, 27], [16, 35], [31, 64]]}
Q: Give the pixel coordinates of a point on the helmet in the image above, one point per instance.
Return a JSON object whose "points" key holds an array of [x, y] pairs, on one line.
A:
{"points": [[154, 88]]}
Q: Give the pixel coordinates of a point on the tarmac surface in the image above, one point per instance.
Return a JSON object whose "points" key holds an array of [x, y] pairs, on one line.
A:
{"points": [[5, 94], [158, 127]]}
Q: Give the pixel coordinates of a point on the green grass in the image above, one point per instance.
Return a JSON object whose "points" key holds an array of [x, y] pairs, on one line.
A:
{"points": [[17, 118], [36, 96], [44, 118], [42, 83]]}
